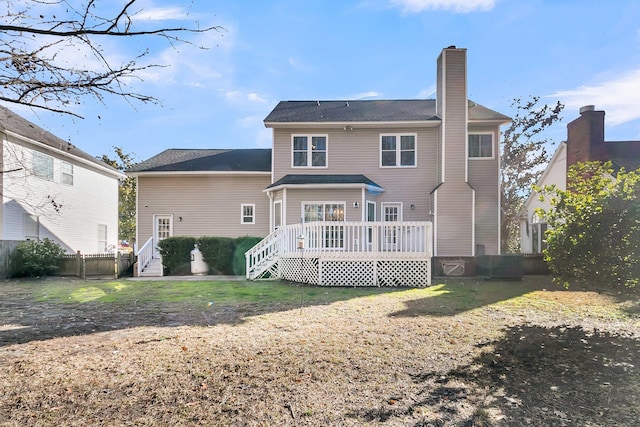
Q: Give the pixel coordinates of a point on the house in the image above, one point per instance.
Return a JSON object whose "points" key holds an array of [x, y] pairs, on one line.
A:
{"points": [[342, 175], [52, 189], [585, 142]]}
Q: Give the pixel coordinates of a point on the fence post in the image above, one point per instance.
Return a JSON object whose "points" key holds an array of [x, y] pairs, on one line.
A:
{"points": [[78, 264], [118, 260]]}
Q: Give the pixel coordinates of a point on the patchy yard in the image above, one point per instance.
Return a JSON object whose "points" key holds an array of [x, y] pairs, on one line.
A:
{"points": [[461, 353]]}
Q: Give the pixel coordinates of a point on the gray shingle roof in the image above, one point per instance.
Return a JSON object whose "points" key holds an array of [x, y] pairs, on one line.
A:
{"points": [[323, 179], [12, 122], [623, 154], [368, 111], [203, 160]]}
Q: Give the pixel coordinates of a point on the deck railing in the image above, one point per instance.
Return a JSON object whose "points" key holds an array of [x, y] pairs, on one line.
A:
{"points": [[353, 240], [341, 238], [145, 254]]}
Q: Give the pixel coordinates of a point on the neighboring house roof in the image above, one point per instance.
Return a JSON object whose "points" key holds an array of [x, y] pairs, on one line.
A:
{"points": [[345, 111], [202, 160], [13, 123], [623, 154], [358, 181]]}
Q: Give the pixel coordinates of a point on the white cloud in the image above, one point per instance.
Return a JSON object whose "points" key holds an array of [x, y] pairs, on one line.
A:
{"points": [[161, 14], [295, 64], [459, 6], [370, 94], [254, 97], [619, 97]]}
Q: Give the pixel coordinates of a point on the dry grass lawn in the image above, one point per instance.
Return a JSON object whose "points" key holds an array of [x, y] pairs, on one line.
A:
{"points": [[461, 353]]}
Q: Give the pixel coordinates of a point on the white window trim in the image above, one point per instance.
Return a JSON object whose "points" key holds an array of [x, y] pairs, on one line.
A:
{"points": [[375, 213], [62, 173], [253, 213], [103, 248], [385, 204], [343, 203], [275, 216], [44, 156], [398, 149], [310, 152], [493, 145]]}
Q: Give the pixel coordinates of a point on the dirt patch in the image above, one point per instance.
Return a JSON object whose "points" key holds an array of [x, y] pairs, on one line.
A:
{"points": [[555, 358]]}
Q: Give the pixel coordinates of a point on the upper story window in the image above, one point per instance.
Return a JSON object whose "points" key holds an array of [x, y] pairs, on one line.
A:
{"points": [[66, 173], [481, 145], [398, 150], [309, 151], [42, 165]]}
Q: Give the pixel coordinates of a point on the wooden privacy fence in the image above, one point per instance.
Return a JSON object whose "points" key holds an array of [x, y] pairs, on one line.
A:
{"points": [[6, 249], [86, 265]]}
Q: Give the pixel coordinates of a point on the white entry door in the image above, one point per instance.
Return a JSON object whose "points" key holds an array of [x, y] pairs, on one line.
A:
{"points": [[162, 228], [391, 212]]}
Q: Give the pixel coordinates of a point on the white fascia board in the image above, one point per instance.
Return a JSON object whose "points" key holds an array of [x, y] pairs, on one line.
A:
{"points": [[325, 187], [354, 125], [115, 173]]}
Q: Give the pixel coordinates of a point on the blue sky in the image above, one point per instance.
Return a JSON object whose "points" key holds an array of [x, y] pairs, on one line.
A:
{"points": [[576, 51]]}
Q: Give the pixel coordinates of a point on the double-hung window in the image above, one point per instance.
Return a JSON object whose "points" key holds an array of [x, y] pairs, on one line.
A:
{"points": [[102, 238], [397, 150], [66, 173], [481, 145], [42, 165], [309, 151], [248, 214]]}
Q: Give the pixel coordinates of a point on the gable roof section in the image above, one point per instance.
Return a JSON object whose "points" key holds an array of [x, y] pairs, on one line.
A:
{"points": [[21, 127], [204, 160], [371, 111], [309, 180], [623, 154]]}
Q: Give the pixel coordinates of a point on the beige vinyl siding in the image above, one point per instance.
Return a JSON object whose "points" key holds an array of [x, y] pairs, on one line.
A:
{"points": [[455, 124], [358, 152], [454, 219], [483, 177], [208, 204]]}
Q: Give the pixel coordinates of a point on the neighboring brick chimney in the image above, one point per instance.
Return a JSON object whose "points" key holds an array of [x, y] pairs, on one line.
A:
{"points": [[585, 137]]}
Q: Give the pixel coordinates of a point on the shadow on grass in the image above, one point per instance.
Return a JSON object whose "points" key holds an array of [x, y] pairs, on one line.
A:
{"points": [[535, 375], [33, 310], [457, 296]]}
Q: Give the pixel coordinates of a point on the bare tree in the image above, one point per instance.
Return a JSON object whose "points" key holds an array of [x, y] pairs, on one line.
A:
{"points": [[36, 37]]}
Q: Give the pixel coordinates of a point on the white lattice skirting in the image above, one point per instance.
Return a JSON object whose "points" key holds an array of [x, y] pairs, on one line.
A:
{"points": [[333, 272]]}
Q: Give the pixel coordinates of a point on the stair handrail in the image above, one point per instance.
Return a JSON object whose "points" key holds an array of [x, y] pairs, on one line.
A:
{"points": [[145, 255], [264, 249]]}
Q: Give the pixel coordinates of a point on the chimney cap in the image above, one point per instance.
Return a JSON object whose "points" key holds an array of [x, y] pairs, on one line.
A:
{"points": [[587, 108]]}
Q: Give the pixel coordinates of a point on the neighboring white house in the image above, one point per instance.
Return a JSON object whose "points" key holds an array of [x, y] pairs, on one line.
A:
{"points": [[51, 189], [585, 142]]}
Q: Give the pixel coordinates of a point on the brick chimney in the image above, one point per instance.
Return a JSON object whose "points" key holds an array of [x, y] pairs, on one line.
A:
{"points": [[585, 137]]}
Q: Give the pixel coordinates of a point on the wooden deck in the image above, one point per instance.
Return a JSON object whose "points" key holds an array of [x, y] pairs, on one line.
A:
{"points": [[346, 254]]}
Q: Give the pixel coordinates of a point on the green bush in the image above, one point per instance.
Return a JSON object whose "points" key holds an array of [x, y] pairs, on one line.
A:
{"points": [[176, 254], [243, 244], [217, 253], [33, 258], [223, 255]]}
